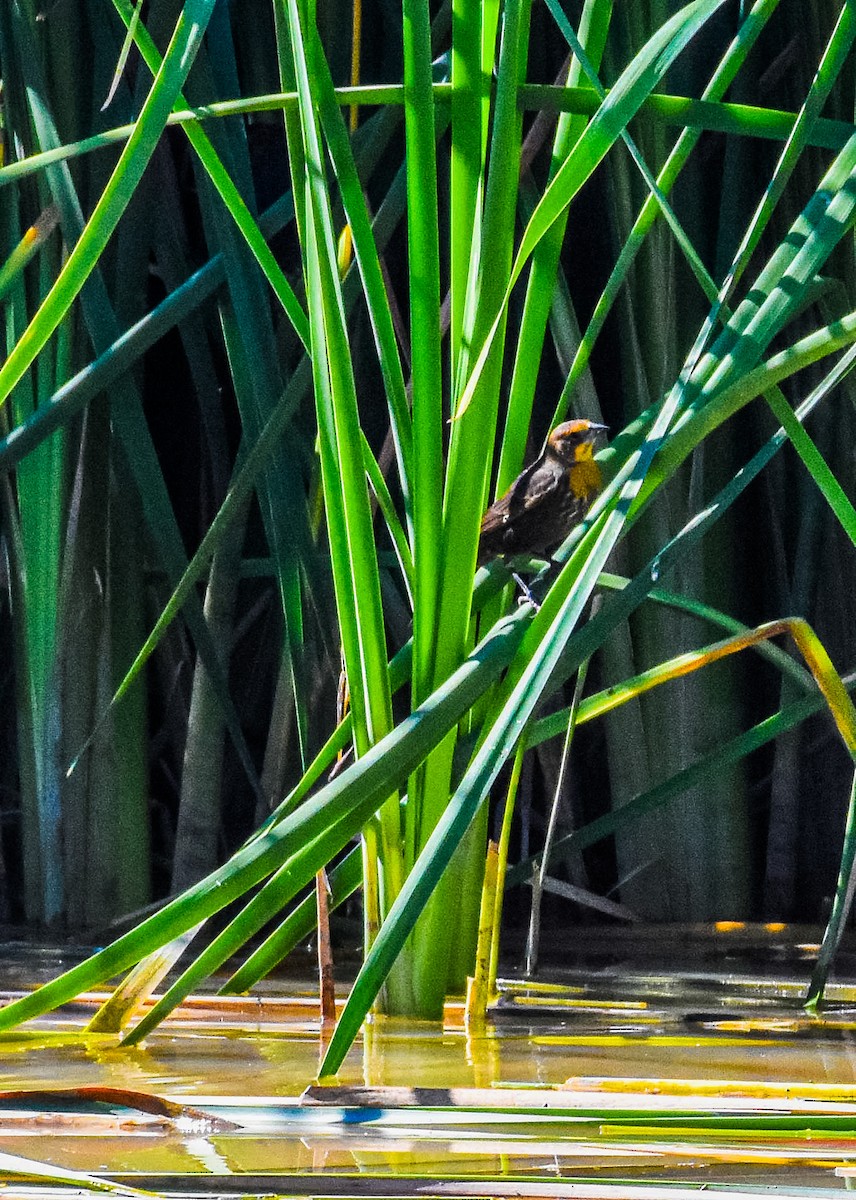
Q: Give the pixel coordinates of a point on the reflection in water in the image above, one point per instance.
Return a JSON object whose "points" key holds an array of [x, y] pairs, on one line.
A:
{"points": [[659, 1073]]}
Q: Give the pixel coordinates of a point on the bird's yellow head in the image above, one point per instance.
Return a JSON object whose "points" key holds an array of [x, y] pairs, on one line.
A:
{"points": [[575, 441]]}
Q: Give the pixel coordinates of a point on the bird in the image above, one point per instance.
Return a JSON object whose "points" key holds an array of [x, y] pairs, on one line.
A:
{"points": [[548, 498]]}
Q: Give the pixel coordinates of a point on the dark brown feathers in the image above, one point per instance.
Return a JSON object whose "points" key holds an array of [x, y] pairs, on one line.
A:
{"points": [[548, 498]]}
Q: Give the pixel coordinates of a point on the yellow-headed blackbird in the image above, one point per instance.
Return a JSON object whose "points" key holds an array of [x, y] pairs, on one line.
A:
{"points": [[551, 496]]}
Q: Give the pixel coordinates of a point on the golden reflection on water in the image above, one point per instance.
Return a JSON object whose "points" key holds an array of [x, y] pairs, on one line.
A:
{"points": [[216, 1049], [615, 1041]]}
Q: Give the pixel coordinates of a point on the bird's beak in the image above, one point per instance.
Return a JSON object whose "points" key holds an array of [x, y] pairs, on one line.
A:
{"points": [[594, 425]]}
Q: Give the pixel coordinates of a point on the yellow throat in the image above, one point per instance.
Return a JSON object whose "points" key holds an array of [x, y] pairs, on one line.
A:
{"points": [[585, 476]]}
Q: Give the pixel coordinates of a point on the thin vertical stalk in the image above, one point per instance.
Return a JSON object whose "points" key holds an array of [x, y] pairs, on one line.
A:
{"points": [[355, 566], [423, 249], [466, 160], [541, 874]]}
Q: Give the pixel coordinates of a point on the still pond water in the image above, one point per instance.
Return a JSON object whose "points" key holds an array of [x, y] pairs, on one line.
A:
{"points": [[609, 1078]]}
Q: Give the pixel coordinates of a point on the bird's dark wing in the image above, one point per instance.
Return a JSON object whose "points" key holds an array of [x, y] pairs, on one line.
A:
{"points": [[537, 485], [516, 521]]}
